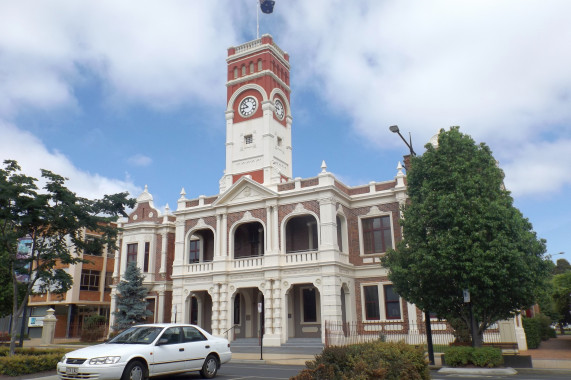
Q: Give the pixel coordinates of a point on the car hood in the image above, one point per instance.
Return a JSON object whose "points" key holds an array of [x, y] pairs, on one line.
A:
{"points": [[111, 349]]}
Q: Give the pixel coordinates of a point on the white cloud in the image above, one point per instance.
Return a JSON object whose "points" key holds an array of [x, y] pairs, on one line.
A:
{"points": [[500, 70], [536, 168], [159, 53], [140, 160], [32, 155]]}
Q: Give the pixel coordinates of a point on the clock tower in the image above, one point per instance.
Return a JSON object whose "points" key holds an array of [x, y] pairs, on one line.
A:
{"points": [[258, 116]]}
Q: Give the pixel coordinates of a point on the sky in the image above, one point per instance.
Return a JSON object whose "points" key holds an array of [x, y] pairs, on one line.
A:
{"points": [[116, 95]]}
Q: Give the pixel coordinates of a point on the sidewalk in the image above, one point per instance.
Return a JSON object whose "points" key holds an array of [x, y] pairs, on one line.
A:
{"points": [[554, 353]]}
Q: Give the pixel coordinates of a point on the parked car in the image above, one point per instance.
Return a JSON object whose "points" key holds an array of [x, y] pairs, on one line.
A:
{"points": [[148, 350]]}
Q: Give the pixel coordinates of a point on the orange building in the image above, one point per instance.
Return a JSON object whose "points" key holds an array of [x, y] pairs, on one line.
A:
{"points": [[90, 293]]}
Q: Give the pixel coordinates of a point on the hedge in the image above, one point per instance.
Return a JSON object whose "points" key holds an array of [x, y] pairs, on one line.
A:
{"points": [[460, 356], [373, 360], [537, 329], [29, 360]]}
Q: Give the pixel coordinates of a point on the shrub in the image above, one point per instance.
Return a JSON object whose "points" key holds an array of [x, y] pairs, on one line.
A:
{"points": [[458, 356], [25, 364], [546, 330], [487, 357], [481, 357], [373, 360], [535, 330]]}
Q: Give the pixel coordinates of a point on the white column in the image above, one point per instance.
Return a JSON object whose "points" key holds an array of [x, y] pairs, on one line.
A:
{"points": [[330, 293], [224, 235], [112, 308], [224, 305], [164, 238], [161, 307], [269, 231], [328, 245], [277, 308], [219, 237], [215, 309]]}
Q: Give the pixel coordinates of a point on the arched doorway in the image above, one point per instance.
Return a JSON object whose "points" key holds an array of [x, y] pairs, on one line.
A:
{"points": [[246, 314], [304, 311], [199, 304]]}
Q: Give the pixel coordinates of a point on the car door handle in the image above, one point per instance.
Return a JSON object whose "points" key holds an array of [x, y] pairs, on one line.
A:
{"points": [[206, 346], [181, 349]]}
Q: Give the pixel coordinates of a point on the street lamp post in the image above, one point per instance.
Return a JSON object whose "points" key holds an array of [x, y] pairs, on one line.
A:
{"points": [[395, 129]]}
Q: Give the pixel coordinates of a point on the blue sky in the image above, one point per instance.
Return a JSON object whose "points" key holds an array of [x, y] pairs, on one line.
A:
{"points": [[118, 94]]}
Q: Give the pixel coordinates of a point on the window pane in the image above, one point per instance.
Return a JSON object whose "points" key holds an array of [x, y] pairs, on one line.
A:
{"points": [[309, 306], [393, 310], [377, 236], [371, 302], [392, 302], [390, 293]]}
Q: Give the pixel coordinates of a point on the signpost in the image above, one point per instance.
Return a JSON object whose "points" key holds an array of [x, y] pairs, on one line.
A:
{"points": [[260, 309]]}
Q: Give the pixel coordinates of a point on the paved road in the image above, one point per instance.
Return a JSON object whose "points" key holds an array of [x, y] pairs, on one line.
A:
{"points": [[230, 371], [255, 371], [523, 374]]}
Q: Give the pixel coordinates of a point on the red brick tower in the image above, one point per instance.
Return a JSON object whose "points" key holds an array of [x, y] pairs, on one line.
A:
{"points": [[258, 116]]}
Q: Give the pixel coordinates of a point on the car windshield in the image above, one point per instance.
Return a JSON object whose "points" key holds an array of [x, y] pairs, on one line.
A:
{"points": [[137, 335]]}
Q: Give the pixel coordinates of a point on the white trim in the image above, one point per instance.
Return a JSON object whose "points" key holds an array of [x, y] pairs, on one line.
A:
{"points": [[299, 210], [382, 310]]}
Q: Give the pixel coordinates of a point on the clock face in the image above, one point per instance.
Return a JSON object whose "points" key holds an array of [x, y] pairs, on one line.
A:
{"points": [[280, 112], [248, 106]]}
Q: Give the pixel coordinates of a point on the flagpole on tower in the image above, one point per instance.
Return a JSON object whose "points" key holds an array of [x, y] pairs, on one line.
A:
{"points": [[257, 19]]}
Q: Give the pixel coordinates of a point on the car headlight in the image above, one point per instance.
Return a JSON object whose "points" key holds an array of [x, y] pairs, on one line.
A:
{"points": [[62, 360], [104, 360]]}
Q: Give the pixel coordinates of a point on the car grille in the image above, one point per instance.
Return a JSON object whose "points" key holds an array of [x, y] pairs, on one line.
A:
{"points": [[75, 361], [90, 376]]}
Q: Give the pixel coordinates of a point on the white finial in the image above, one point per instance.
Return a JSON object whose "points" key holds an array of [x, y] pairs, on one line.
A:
{"points": [[167, 209], [182, 194], [400, 176], [323, 167], [399, 170], [146, 189]]}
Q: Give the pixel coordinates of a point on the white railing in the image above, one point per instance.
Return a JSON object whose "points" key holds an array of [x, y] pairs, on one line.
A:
{"points": [[301, 257], [249, 262], [199, 267], [248, 45]]}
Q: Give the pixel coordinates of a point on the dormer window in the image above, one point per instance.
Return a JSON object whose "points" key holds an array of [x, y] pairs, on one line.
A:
{"points": [[248, 139]]}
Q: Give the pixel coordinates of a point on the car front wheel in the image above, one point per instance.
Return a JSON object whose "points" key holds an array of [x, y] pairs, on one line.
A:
{"points": [[135, 370], [210, 367]]}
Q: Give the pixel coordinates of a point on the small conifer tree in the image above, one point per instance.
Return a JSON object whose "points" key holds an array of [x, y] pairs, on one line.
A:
{"points": [[131, 304]]}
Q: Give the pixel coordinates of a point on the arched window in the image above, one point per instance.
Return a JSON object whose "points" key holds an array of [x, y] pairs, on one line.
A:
{"points": [[235, 72], [259, 65], [243, 70], [251, 67]]}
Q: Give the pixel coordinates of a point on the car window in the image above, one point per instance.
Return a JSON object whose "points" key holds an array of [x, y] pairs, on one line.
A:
{"points": [[172, 335], [137, 335], [191, 334]]}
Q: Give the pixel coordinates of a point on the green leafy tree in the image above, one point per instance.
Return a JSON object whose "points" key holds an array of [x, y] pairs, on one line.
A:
{"points": [[562, 266], [461, 231], [54, 219], [131, 303], [562, 298]]}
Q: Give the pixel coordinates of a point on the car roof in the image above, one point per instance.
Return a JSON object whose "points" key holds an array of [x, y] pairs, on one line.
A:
{"points": [[162, 325]]}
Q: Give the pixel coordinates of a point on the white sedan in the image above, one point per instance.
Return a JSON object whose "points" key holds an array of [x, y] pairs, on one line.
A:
{"points": [[148, 350]]}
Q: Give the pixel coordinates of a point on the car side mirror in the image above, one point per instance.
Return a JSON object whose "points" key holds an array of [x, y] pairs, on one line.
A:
{"points": [[162, 341]]}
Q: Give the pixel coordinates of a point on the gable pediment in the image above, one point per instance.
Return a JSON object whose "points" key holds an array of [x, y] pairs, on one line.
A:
{"points": [[245, 190]]}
